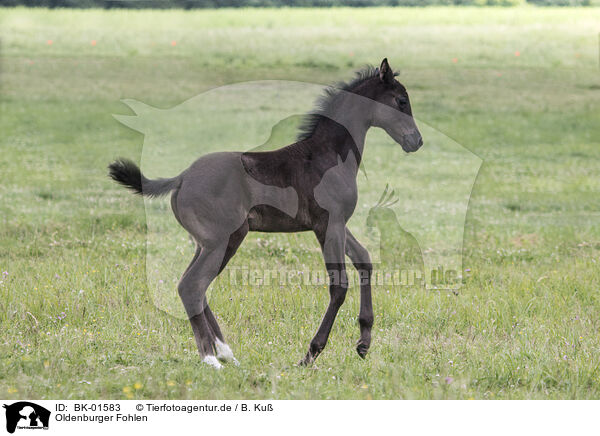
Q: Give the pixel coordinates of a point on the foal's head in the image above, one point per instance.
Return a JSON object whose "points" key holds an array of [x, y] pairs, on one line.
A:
{"points": [[399, 123], [391, 111]]}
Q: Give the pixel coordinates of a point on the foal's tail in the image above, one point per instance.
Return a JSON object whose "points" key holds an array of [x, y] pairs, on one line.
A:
{"points": [[129, 175]]}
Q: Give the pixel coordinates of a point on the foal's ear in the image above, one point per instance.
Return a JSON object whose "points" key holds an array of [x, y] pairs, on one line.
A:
{"points": [[386, 75]]}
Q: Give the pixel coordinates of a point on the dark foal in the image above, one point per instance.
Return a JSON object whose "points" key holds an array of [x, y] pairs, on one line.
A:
{"points": [[308, 185]]}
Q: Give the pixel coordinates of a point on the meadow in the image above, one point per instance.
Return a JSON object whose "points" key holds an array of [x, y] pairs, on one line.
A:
{"points": [[518, 87]]}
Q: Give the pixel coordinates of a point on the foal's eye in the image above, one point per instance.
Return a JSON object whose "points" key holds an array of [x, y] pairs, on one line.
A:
{"points": [[401, 102]]}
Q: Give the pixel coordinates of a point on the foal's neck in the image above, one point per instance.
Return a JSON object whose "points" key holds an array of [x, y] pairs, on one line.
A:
{"points": [[332, 138], [343, 125]]}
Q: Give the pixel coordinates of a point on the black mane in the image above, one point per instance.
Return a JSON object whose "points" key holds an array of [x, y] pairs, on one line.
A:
{"points": [[311, 120]]}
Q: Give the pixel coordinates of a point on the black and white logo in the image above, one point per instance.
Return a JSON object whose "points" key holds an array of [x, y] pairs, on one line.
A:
{"points": [[26, 415]]}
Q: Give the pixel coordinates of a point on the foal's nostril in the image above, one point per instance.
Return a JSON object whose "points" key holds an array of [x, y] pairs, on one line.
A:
{"points": [[414, 140]]}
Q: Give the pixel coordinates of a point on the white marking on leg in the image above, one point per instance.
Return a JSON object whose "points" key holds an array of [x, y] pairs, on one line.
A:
{"points": [[212, 361], [224, 352]]}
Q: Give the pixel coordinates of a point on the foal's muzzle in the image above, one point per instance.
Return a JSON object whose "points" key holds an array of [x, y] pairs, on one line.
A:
{"points": [[412, 141]]}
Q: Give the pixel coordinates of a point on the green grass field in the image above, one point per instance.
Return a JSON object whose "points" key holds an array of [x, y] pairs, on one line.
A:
{"points": [[519, 87]]}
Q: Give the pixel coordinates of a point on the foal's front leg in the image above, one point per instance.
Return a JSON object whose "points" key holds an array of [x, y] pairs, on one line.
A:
{"points": [[332, 245], [362, 262]]}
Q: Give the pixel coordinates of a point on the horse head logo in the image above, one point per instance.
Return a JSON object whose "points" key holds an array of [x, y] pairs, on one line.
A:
{"points": [[25, 414]]}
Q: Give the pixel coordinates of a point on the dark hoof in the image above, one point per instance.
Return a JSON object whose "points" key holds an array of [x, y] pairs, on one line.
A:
{"points": [[307, 360], [362, 349]]}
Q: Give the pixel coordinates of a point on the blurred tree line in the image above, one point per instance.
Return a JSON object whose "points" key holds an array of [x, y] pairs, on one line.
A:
{"points": [[191, 4]]}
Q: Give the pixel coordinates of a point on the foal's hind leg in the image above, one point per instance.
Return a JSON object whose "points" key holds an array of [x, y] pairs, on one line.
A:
{"points": [[223, 350], [362, 262], [192, 291], [199, 327], [206, 265]]}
